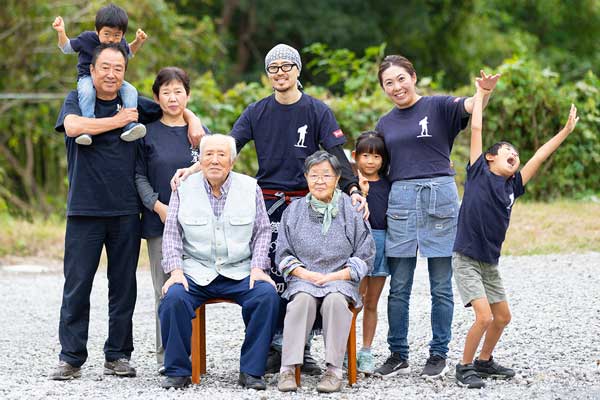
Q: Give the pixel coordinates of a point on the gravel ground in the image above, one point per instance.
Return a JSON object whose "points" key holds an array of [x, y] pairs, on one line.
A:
{"points": [[553, 340]]}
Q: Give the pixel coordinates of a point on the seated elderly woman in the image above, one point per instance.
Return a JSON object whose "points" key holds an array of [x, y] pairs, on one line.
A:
{"points": [[324, 249]]}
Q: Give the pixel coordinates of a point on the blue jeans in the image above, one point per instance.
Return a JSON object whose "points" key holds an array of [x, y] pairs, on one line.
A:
{"points": [[86, 92], [442, 303]]}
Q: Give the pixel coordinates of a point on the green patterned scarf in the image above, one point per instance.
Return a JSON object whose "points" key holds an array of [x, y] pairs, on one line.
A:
{"points": [[327, 210]]}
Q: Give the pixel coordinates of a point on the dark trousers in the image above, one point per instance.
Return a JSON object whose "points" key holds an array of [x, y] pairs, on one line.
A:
{"points": [[260, 309], [84, 239]]}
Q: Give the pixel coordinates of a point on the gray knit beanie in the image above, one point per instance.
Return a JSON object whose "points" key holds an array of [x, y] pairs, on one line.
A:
{"points": [[283, 52]]}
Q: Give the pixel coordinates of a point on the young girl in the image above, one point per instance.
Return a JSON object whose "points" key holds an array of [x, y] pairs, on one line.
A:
{"points": [[371, 160]]}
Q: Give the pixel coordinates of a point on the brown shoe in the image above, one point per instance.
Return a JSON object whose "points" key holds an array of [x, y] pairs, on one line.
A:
{"points": [[120, 367], [64, 372], [287, 382], [329, 383]]}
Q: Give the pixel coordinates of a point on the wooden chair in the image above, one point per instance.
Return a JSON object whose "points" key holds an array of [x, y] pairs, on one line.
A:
{"points": [[352, 371], [199, 339], [199, 344]]}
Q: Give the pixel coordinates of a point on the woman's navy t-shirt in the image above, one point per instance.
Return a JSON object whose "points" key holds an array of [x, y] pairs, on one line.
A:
{"points": [[284, 136], [419, 139], [163, 150], [379, 191], [102, 176], [485, 212]]}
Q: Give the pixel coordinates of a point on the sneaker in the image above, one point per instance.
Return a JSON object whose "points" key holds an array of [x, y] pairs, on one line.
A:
{"points": [[84, 140], [273, 361], [162, 370], [393, 366], [309, 365], [435, 367], [64, 372], [287, 381], [491, 369], [252, 382], [135, 133], [467, 376], [365, 362], [120, 367], [329, 383], [175, 382]]}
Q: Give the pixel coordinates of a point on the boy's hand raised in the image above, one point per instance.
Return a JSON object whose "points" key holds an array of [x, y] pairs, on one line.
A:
{"points": [[141, 36], [488, 82], [58, 24], [572, 121]]}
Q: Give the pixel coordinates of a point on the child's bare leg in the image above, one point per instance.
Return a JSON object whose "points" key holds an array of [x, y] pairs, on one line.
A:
{"points": [[483, 320], [374, 286], [501, 313]]}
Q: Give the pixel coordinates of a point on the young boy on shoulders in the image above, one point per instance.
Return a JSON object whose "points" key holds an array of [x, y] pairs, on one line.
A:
{"points": [[493, 184], [111, 25]]}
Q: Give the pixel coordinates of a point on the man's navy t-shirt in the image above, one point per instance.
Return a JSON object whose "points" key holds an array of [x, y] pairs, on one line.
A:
{"points": [[163, 150], [84, 45], [379, 192], [284, 136], [485, 212], [101, 176], [419, 139]]}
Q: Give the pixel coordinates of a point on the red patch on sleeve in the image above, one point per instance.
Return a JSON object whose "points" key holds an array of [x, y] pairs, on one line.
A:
{"points": [[338, 133], [457, 99]]}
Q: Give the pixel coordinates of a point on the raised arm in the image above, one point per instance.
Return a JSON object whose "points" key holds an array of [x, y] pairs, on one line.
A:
{"points": [[59, 27], [533, 165], [477, 122], [136, 44], [487, 82]]}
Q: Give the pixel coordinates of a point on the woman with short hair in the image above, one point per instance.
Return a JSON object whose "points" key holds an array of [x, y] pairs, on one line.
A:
{"points": [[324, 249]]}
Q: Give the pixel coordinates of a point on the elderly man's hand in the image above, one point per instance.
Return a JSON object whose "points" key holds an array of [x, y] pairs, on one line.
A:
{"points": [[177, 276], [257, 274], [357, 198]]}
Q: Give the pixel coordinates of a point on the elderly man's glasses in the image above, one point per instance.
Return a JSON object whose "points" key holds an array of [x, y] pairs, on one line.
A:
{"points": [[325, 178], [273, 69]]}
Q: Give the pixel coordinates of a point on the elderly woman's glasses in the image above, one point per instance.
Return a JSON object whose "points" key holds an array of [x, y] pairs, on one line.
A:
{"points": [[273, 69], [325, 178]]}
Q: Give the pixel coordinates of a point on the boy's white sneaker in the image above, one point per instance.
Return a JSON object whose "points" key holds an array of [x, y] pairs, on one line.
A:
{"points": [[84, 140], [135, 133]]}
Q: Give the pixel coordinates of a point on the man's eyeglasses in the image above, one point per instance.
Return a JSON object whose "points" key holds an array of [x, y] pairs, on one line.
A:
{"points": [[315, 178], [273, 69]]}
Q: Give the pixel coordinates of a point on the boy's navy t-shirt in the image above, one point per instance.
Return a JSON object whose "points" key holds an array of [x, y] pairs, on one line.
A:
{"points": [[379, 192], [284, 136], [485, 212], [419, 139], [163, 150], [101, 176], [84, 45]]}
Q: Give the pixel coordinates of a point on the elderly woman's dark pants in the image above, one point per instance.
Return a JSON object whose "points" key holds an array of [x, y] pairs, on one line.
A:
{"points": [[84, 239], [260, 310]]}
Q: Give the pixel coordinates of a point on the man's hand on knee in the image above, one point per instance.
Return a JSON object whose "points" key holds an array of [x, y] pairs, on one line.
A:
{"points": [[257, 274], [177, 276]]}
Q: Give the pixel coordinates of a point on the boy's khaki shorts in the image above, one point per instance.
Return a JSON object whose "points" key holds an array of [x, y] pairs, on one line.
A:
{"points": [[477, 280]]}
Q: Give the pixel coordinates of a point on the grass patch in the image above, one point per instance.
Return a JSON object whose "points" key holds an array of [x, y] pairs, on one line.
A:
{"points": [[565, 226]]}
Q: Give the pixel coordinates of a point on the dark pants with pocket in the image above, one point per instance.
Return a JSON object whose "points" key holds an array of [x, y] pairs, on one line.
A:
{"points": [[84, 239]]}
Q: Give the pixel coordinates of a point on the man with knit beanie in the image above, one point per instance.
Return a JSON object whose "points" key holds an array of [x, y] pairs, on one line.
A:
{"points": [[287, 127]]}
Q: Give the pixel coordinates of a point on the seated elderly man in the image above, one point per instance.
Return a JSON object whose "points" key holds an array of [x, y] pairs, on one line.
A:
{"points": [[215, 245], [324, 249]]}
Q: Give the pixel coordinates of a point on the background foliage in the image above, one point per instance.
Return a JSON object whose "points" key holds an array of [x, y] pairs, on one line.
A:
{"points": [[547, 51]]}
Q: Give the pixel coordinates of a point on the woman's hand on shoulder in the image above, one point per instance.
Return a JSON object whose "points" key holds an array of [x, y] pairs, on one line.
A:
{"points": [[357, 198]]}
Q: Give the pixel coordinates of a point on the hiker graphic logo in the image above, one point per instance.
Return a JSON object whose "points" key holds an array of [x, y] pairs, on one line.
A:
{"points": [[512, 201], [424, 130], [301, 136]]}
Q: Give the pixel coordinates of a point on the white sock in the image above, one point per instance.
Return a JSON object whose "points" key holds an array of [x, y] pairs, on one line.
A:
{"points": [[335, 370], [285, 368]]}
